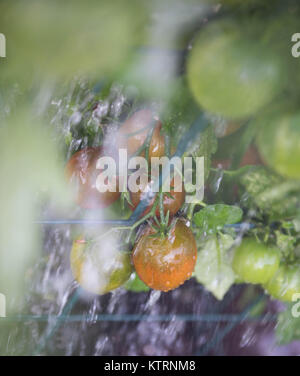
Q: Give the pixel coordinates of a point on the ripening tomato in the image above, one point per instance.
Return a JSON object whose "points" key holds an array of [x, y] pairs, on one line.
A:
{"points": [[231, 73], [225, 128], [285, 283], [165, 263], [250, 158], [278, 142], [254, 262], [82, 173], [98, 268], [171, 204], [133, 133]]}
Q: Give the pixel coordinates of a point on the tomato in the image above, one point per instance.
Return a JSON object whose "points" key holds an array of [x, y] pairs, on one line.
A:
{"points": [[285, 283], [165, 263], [133, 133], [230, 72], [225, 128], [171, 204], [254, 262], [97, 268], [82, 173], [250, 158], [278, 142]]}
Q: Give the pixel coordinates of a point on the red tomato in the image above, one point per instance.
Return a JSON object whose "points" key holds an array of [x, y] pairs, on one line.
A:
{"points": [[82, 173]]}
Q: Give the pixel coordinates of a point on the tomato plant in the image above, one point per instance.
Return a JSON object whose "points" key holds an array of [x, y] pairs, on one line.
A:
{"points": [[164, 263]]}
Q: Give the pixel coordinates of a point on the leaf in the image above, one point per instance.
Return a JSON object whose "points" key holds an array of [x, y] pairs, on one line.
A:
{"points": [[213, 267], [286, 243], [270, 193], [214, 217], [288, 325], [135, 284]]}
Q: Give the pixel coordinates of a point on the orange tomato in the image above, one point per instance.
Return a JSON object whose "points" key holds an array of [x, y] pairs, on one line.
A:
{"points": [[165, 263]]}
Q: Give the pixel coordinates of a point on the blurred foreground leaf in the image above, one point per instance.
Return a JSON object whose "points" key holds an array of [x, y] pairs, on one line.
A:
{"points": [[29, 170], [58, 39]]}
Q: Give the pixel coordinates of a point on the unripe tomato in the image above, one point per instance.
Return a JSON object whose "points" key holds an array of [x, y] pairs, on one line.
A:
{"points": [[133, 133], [278, 142], [82, 173], [254, 262], [171, 204], [285, 283], [230, 72], [165, 263], [99, 269]]}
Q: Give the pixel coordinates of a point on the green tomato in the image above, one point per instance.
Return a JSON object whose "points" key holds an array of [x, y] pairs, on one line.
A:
{"points": [[97, 267], [278, 142], [254, 262], [232, 73], [285, 283]]}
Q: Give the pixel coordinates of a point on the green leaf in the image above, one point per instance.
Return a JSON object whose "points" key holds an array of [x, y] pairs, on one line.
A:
{"points": [[286, 243], [270, 193], [214, 217], [288, 325], [213, 267], [135, 284]]}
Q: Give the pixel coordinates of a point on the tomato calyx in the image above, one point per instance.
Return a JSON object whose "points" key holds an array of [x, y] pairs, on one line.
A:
{"points": [[162, 226]]}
